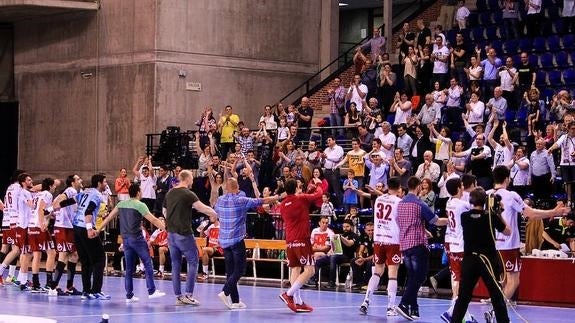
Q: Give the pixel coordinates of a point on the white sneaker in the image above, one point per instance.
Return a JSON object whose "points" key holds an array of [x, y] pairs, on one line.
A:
{"points": [[132, 300], [391, 311], [156, 294], [52, 292], [238, 306], [225, 299]]}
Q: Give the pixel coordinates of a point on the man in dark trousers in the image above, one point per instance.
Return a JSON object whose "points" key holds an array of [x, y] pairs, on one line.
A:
{"points": [[480, 258]]}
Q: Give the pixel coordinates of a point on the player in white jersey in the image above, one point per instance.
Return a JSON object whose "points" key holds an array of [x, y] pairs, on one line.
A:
{"points": [[469, 183], [385, 245], [508, 246], [454, 240], [24, 207], [64, 237], [9, 230], [39, 237]]}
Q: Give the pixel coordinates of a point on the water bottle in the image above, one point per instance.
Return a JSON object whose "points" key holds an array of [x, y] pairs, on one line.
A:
{"points": [[257, 251], [105, 318], [348, 281]]}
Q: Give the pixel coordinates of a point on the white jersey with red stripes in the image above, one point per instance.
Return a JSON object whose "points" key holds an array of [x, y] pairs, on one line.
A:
{"points": [[386, 229], [45, 196], [11, 205], [454, 232]]}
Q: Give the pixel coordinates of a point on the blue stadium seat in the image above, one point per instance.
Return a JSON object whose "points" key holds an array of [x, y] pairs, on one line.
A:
{"points": [[451, 34], [557, 26], [554, 77], [525, 45], [569, 76], [547, 93], [554, 43], [540, 78], [485, 19], [533, 60], [498, 46], [481, 5], [510, 46], [491, 33], [472, 20], [562, 59], [553, 13], [494, 5], [539, 44], [568, 41], [477, 33], [546, 60], [498, 17]]}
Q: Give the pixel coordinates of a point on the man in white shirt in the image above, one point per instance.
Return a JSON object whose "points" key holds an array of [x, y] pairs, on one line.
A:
{"points": [[387, 140], [534, 18], [321, 239], [357, 92], [144, 173], [331, 156], [503, 149], [440, 57], [567, 162], [519, 166], [428, 169]]}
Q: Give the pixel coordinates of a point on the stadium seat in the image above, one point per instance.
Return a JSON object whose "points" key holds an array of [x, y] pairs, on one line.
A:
{"points": [[554, 77], [481, 5], [562, 59], [477, 33], [539, 44], [557, 26], [491, 33], [547, 94], [540, 79], [498, 17], [553, 13], [533, 60], [525, 45], [498, 46], [451, 34], [554, 43], [546, 61], [510, 46], [569, 76], [472, 20], [568, 41], [485, 19], [494, 5]]}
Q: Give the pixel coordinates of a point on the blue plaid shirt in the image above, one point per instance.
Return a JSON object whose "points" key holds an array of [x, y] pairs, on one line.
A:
{"points": [[232, 211]]}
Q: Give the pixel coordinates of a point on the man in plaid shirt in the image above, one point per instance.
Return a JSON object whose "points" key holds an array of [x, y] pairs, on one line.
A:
{"points": [[412, 214]]}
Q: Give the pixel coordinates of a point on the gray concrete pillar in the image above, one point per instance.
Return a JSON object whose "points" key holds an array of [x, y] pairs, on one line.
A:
{"points": [[329, 35]]}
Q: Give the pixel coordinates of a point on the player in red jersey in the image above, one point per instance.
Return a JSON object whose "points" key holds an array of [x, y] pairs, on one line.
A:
{"points": [[294, 210]]}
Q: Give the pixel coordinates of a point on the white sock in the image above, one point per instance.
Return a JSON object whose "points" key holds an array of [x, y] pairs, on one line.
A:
{"points": [[12, 270], [22, 277], [205, 269], [391, 292], [2, 268], [371, 286], [161, 268], [467, 317], [452, 306], [297, 297], [296, 286]]}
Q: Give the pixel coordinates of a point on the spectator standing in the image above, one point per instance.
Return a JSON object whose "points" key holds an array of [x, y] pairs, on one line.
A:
{"points": [[375, 46], [542, 170], [440, 58], [534, 17], [461, 14], [331, 156], [510, 9], [227, 125], [121, 185], [336, 98]]}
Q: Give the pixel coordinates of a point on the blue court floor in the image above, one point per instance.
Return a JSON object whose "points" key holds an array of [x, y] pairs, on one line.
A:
{"points": [[263, 306]]}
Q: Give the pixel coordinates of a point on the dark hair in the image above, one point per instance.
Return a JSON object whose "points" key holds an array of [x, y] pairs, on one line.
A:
{"points": [[22, 178], [468, 180], [393, 183], [46, 183], [97, 178], [15, 175], [320, 172], [500, 174], [134, 189], [452, 185], [412, 183], [477, 197], [290, 186], [348, 221], [69, 180]]}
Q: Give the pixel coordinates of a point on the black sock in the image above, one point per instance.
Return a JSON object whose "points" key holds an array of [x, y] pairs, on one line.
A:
{"points": [[59, 271], [35, 280], [2, 257], [48, 278], [71, 273], [14, 262]]}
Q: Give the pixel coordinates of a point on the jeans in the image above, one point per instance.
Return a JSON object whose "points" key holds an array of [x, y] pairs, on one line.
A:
{"points": [[134, 247], [181, 245], [235, 260], [336, 120], [92, 257], [416, 262], [332, 178], [361, 274]]}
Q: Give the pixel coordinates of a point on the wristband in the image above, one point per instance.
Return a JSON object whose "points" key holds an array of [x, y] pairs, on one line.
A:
{"points": [[89, 226], [49, 209]]}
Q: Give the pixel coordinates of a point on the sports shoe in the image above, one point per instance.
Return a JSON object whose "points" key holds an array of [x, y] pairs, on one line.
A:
{"points": [[303, 308], [289, 301], [202, 277], [159, 274], [238, 306], [102, 297], [132, 300], [433, 283], [446, 317], [471, 319], [187, 300], [9, 280], [225, 299], [364, 306], [156, 294], [415, 313], [404, 311], [88, 296], [60, 292], [391, 311], [73, 291], [52, 292], [1, 281]]}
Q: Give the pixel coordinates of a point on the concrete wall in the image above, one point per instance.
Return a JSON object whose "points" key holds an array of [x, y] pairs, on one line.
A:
{"points": [[91, 85]]}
